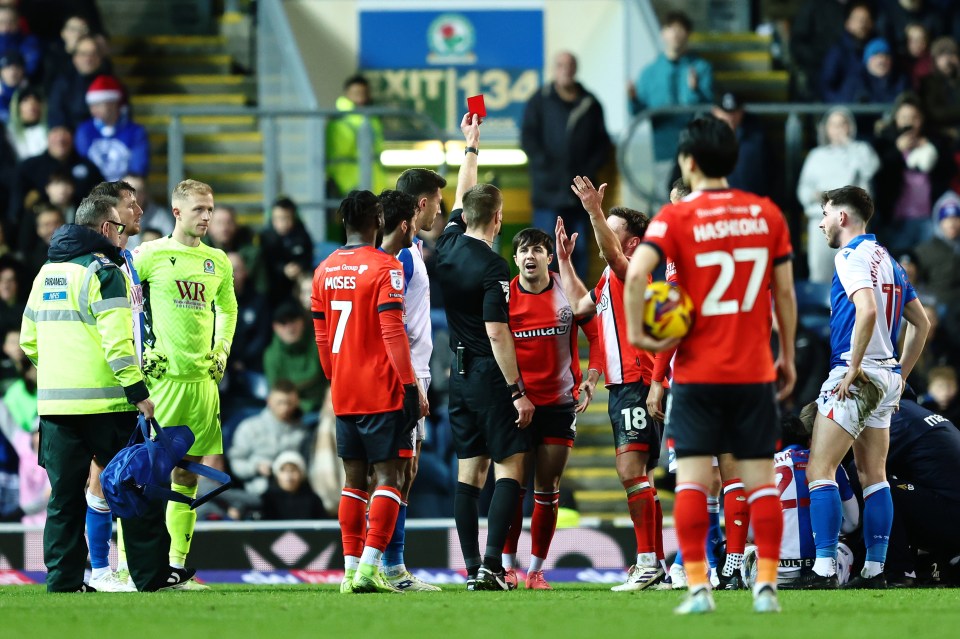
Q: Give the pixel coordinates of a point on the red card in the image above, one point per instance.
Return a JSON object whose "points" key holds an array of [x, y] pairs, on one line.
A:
{"points": [[476, 106]]}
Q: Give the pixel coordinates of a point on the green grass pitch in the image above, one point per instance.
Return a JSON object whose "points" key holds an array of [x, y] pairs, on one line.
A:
{"points": [[572, 610]]}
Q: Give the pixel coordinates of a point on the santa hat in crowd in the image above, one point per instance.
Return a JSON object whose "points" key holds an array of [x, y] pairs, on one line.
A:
{"points": [[104, 88]]}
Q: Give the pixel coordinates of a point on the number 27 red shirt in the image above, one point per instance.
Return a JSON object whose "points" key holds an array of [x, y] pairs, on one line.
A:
{"points": [[725, 244]]}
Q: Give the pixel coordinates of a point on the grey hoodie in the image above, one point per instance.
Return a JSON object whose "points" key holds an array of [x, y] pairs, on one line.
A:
{"points": [[829, 167]]}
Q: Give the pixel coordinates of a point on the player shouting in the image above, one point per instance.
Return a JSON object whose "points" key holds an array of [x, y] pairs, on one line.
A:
{"points": [[545, 337]]}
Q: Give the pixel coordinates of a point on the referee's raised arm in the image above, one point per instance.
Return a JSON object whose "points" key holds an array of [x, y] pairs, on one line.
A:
{"points": [[467, 178], [488, 407]]}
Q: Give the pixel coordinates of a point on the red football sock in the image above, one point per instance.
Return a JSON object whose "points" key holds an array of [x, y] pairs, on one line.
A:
{"points": [[693, 523], [643, 510], [659, 529], [736, 515], [352, 515], [544, 522], [767, 520], [383, 516], [516, 527]]}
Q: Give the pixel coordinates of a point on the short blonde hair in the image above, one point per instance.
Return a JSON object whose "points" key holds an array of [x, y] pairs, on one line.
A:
{"points": [[187, 188]]}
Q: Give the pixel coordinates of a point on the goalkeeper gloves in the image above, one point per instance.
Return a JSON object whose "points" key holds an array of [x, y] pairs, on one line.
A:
{"points": [[218, 364], [154, 363]]}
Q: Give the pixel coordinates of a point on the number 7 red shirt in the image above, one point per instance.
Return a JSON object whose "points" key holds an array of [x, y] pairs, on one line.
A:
{"points": [[357, 306], [725, 244]]}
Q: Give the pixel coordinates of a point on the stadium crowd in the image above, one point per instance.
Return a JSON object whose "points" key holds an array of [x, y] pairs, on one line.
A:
{"points": [[69, 126]]}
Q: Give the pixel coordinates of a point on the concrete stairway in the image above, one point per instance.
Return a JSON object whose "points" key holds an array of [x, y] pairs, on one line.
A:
{"points": [[591, 471], [163, 72], [742, 63]]}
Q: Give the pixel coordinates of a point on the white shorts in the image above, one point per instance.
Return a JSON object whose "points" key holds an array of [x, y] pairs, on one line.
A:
{"points": [[421, 429], [868, 408], [672, 459]]}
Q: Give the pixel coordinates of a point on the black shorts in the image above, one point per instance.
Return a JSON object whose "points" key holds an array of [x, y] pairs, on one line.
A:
{"points": [[710, 419], [633, 428], [554, 426], [375, 438], [482, 416]]}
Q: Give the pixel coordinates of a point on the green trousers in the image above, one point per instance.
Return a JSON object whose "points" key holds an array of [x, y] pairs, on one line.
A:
{"points": [[68, 443]]}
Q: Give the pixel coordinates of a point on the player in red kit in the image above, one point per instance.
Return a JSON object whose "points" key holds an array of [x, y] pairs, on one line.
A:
{"points": [[545, 338], [358, 318], [731, 249], [627, 371]]}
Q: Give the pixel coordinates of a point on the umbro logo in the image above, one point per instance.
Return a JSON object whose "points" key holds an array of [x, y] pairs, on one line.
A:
{"points": [[173, 261], [188, 536]]}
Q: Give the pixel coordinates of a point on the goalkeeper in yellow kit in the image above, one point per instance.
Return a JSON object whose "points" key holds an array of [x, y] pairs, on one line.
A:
{"points": [[190, 317]]}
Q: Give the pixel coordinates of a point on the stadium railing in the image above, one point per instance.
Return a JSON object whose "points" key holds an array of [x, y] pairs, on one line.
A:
{"points": [[635, 151], [294, 150]]}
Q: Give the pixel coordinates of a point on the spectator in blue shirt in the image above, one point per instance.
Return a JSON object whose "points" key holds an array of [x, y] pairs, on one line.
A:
{"points": [[675, 77], [109, 139], [882, 82], [11, 80], [11, 39]]}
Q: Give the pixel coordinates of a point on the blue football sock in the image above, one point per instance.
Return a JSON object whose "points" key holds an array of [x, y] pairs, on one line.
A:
{"points": [[99, 527], [826, 514], [678, 560], [714, 536], [393, 555], [877, 520]]}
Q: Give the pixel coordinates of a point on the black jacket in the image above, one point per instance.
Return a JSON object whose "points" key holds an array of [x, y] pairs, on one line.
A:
{"points": [[281, 505], [278, 251], [562, 139], [67, 105], [72, 240], [33, 175]]}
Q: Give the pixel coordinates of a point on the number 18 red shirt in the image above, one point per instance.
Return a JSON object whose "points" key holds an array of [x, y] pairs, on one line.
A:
{"points": [[725, 244]]}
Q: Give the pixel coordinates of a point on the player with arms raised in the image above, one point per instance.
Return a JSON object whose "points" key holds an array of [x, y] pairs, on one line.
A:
{"points": [[730, 249], [190, 317], [357, 305], [628, 372], [545, 337]]}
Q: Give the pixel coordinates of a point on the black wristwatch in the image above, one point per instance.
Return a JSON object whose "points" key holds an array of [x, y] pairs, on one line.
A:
{"points": [[471, 149]]}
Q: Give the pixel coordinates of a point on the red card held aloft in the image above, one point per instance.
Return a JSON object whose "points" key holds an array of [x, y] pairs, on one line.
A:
{"points": [[476, 106]]}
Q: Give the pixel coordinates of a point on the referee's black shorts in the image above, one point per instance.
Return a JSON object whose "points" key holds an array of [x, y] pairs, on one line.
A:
{"points": [[482, 415]]}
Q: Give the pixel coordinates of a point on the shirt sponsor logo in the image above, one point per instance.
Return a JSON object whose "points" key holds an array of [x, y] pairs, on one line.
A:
{"points": [[729, 228], [192, 295], [361, 269], [542, 332], [208, 266]]}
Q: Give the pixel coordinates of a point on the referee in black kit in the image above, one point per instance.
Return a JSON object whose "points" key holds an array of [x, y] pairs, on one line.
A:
{"points": [[489, 411]]}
